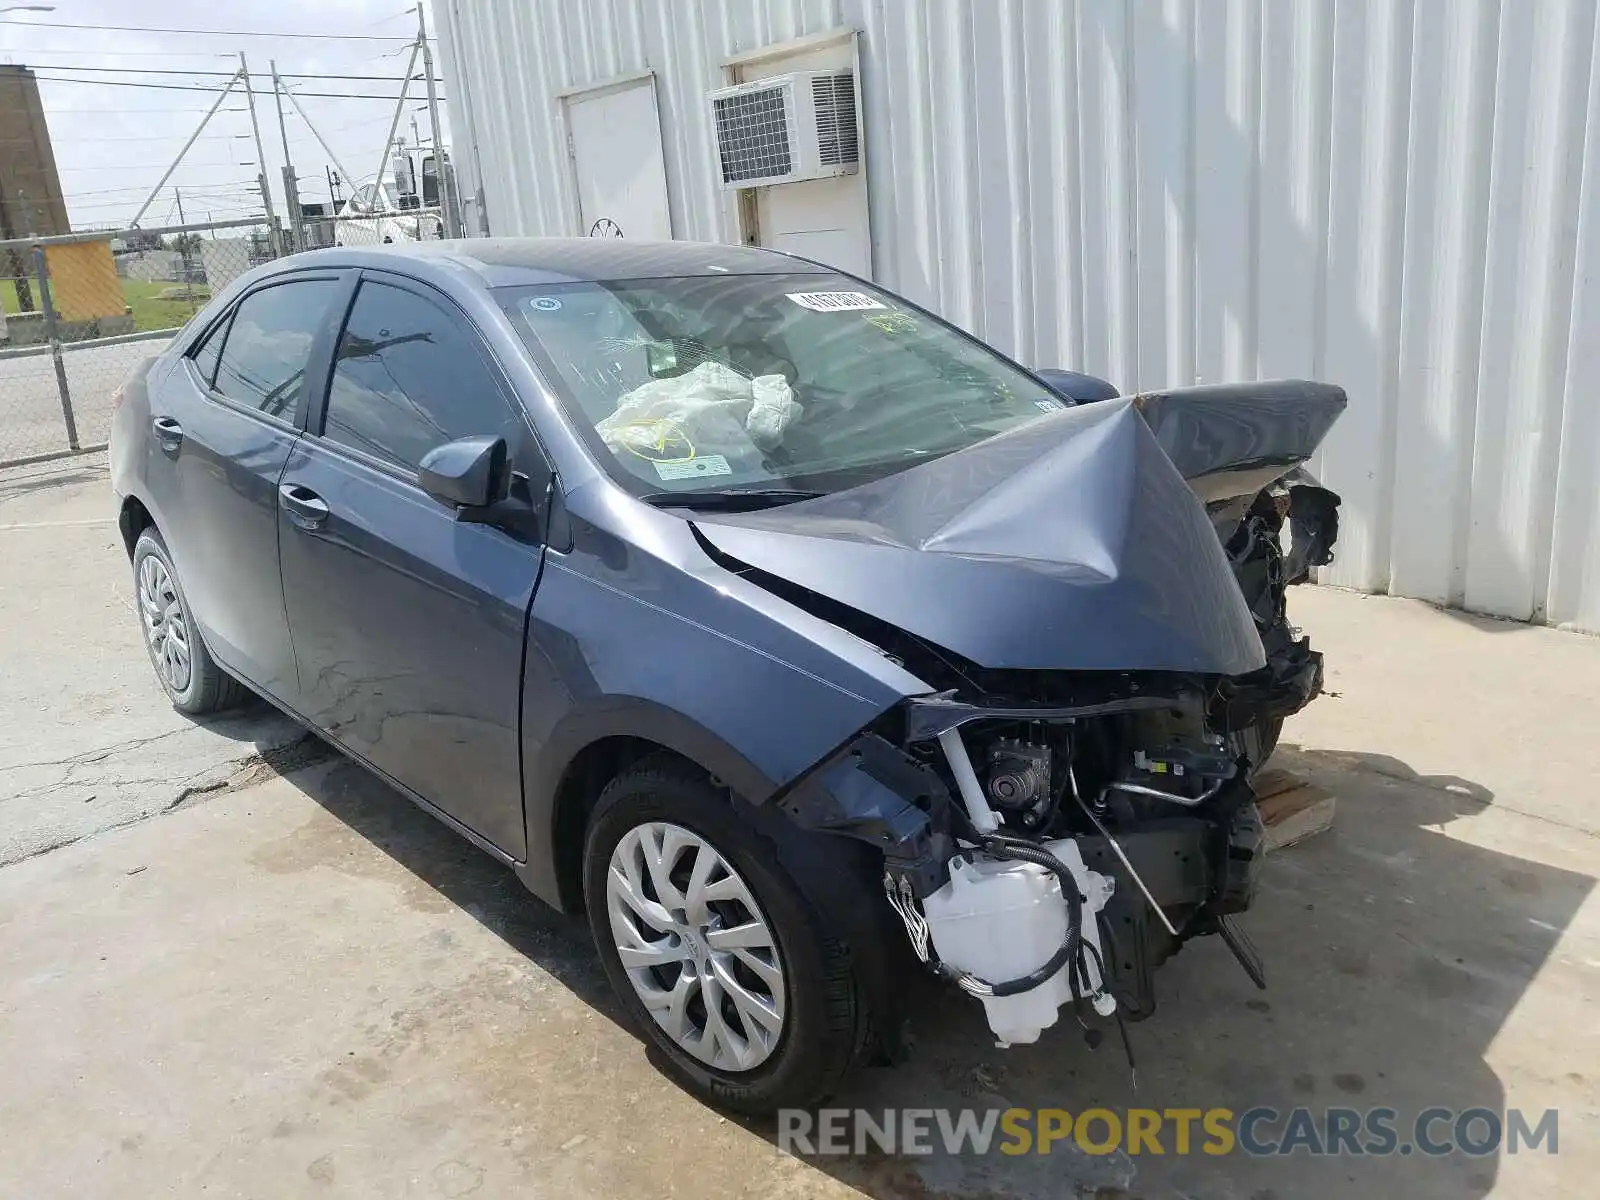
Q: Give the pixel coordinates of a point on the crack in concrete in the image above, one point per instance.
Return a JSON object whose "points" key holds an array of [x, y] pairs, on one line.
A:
{"points": [[100, 754], [307, 750]]}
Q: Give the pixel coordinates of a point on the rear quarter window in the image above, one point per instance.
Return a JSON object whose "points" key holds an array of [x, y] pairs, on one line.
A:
{"points": [[210, 350], [268, 347]]}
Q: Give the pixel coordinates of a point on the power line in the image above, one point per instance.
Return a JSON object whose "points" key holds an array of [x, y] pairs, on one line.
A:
{"points": [[134, 112], [216, 191], [266, 33], [356, 124], [198, 87], [188, 162], [223, 74], [151, 137], [221, 184], [120, 53], [9, 52]]}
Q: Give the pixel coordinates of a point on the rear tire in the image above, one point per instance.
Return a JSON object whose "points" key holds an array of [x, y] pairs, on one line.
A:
{"points": [[184, 667], [812, 1017]]}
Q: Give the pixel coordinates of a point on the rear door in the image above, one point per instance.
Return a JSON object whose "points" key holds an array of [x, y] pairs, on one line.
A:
{"points": [[223, 423], [408, 625]]}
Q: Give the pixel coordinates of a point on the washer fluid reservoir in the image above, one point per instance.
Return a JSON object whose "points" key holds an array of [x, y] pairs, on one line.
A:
{"points": [[999, 919]]}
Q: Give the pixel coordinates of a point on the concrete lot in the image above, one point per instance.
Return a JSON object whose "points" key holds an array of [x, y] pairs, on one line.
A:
{"points": [[267, 975], [30, 400]]}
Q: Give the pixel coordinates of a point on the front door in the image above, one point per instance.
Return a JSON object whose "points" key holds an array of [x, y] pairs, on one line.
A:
{"points": [[227, 420], [408, 625]]}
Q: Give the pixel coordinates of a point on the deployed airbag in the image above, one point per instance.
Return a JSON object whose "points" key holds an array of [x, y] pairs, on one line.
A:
{"points": [[712, 409]]}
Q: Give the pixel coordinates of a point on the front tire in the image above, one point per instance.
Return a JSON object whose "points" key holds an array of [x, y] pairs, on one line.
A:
{"points": [[718, 953], [184, 667]]}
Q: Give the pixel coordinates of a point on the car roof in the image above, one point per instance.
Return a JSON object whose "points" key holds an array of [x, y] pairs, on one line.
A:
{"points": [[502, 262]]}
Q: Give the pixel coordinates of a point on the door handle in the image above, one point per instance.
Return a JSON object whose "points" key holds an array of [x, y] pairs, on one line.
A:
{"points": [[168, 432], [303, 506]]}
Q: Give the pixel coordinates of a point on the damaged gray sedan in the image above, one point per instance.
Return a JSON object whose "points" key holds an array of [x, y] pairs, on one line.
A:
{"points": [[791, 633]]}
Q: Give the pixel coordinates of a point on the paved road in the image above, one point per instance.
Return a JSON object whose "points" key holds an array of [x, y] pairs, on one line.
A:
{"points": [[30, 402]]}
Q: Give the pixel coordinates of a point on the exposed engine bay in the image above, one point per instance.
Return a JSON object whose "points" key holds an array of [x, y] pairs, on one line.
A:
{"points": [[1051, 836]]}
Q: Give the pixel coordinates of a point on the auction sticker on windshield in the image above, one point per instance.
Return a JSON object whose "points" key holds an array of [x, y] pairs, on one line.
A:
{"points": [[835, 301], [689, 468]]}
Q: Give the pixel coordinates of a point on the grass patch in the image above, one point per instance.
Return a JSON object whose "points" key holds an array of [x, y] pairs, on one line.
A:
{"points": [[163, 305], [8, 295], [158, 305]]}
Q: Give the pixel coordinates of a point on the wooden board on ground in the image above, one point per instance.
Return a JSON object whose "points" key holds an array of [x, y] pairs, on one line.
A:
{"points": [[1291, 808]]}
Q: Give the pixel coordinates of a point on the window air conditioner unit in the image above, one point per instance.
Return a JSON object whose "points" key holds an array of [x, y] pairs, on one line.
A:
{"points": [[787, 128]]}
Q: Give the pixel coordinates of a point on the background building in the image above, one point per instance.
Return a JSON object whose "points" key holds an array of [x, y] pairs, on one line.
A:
{"points": [[30, 189], [1399, 197]]}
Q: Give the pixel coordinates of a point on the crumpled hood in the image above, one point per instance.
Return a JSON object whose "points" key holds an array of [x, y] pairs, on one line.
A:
{"points": [[1232, 439], [1070, 543]]}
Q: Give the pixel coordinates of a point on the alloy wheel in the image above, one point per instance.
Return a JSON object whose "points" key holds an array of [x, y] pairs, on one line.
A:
{"points": [[696, 946], [166, 627]]}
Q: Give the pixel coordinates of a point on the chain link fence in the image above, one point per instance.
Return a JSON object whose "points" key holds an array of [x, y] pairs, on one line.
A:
{"points": [[376, 229], [79, 311]]}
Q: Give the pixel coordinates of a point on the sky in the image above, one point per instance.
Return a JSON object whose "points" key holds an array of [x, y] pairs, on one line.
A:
{"points": [[112, 142]]}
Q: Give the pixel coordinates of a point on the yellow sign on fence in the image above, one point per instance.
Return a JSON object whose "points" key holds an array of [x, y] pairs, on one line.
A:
{"points": [[83, 281]]}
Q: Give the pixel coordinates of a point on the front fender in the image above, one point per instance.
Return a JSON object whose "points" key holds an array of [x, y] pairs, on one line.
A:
{"points": [[669, 648], [630, 717]]}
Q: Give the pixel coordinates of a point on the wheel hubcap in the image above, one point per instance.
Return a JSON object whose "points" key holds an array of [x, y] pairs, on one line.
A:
{"points": [[165, 626], [696, 946]]}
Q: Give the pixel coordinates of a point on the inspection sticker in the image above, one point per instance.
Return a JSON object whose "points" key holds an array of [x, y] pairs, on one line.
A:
{"points": [[835, 301], [546, 303], [689, 468], [1048, 405]]}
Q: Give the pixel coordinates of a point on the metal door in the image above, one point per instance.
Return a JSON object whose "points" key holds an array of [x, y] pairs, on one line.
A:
{"points": [[614, 139], [408, 624], [214, 465]]}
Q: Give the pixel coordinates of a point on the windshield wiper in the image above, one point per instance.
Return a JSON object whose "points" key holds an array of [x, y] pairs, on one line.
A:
{"points": [[730, 498]]}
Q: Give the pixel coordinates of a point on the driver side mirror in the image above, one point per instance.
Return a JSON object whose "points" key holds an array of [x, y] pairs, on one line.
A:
{"points": [[468, 473]]}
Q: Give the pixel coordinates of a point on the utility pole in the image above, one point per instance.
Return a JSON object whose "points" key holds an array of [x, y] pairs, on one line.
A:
{"points": [[261, 158], [399, 107], [162, 182], [291, 185], [440, 174]]}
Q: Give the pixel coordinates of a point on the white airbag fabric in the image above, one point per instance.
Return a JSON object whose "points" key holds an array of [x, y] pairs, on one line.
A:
{"points": [[716, 409]]}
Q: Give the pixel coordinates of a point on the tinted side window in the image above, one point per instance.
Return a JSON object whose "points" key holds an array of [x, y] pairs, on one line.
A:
{"points": [[264, 361], [205, 358], [407, 378]]}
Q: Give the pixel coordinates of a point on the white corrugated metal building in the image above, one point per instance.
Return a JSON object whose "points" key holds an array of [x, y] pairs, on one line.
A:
{"points": [[1399, 196]]}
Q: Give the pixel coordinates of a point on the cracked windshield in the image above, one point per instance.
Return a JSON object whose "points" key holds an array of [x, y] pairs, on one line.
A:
{"points": [[810, 381]]}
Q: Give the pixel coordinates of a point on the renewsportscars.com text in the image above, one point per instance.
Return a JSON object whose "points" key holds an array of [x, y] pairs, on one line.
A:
{"points": [[1259, 1131]]}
